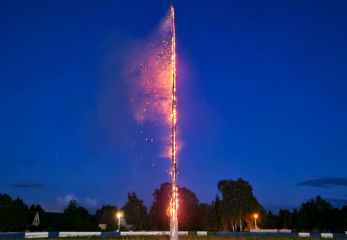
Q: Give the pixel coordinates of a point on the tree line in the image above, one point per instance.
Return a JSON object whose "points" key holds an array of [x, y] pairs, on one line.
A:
{"points": [[232, 209], [315, 215]]}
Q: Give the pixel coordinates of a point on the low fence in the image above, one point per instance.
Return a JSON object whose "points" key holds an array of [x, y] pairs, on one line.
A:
{"points": [[89, 234], [198, 233], [291, 234], [271, 230]]}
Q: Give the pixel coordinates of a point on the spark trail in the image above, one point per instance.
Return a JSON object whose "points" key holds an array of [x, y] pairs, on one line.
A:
{"points": [[174, 197], [153, 82], [150, 81]]}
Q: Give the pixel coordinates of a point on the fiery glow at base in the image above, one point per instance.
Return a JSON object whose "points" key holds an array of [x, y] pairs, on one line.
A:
{"points": [[174, 199]]}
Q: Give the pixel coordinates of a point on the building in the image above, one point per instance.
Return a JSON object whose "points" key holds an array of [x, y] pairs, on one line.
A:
{"points": [[33, 219]]}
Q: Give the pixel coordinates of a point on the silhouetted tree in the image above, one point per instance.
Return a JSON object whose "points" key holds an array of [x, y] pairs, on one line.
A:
{"points": [[261, 220], [5, 200], [272, 221], [159, 212], [135, 212], [315, 215], [188, 205], [319, 215], [99, 213], [343, 215], [77, 218], [36, 208], [187, 208], [285, 219], [238, 203], [216, 206], [207, 220], [13, 214]]}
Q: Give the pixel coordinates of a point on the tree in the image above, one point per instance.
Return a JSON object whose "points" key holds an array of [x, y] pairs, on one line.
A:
{"points": [[77, 217], [343, 214], [5, 200], [99, 213], [159, 215], [227, 206], [271, 221], [203, 217], [285, 219], [37, 208], [249, 219], [135, 212], [187, 208], [13, 214], [188, 205], [318, 215], [238, 203], [218, 226], [261, 217], [207, 218]]}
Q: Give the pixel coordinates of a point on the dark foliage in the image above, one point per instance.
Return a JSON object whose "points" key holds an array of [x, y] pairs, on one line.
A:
{"points": [[76, 217], [13, 214], [238, 205], [135, 212], [315, 216], [98, 215], [188, 207], [233, 212]]}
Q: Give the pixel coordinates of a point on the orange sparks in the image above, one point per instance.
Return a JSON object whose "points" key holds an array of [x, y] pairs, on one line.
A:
{"points": [[154, 98], [174, 197]]}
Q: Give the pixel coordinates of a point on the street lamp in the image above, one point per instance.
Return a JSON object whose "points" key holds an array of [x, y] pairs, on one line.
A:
{"points": [[255, 220], [119, 215]]}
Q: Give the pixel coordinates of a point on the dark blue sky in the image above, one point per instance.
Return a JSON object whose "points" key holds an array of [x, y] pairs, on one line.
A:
{"points": [[261, 95]]}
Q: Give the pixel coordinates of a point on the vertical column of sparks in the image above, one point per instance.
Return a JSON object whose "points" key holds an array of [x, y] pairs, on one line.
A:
{"points": [[174, 202]]}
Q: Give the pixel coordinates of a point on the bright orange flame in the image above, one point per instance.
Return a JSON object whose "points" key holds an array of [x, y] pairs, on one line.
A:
{"points": [[174, 199]]}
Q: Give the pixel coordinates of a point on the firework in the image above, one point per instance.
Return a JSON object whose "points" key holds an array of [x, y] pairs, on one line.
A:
{"points": [[150, 82], [153, 79], [174, 190]]}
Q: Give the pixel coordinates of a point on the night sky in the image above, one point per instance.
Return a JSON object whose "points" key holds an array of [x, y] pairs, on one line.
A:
{"points": [[261, 88]]}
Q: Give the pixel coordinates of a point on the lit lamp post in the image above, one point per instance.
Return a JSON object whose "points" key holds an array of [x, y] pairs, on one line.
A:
{"points": [[119, 215], [255, 220]]}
